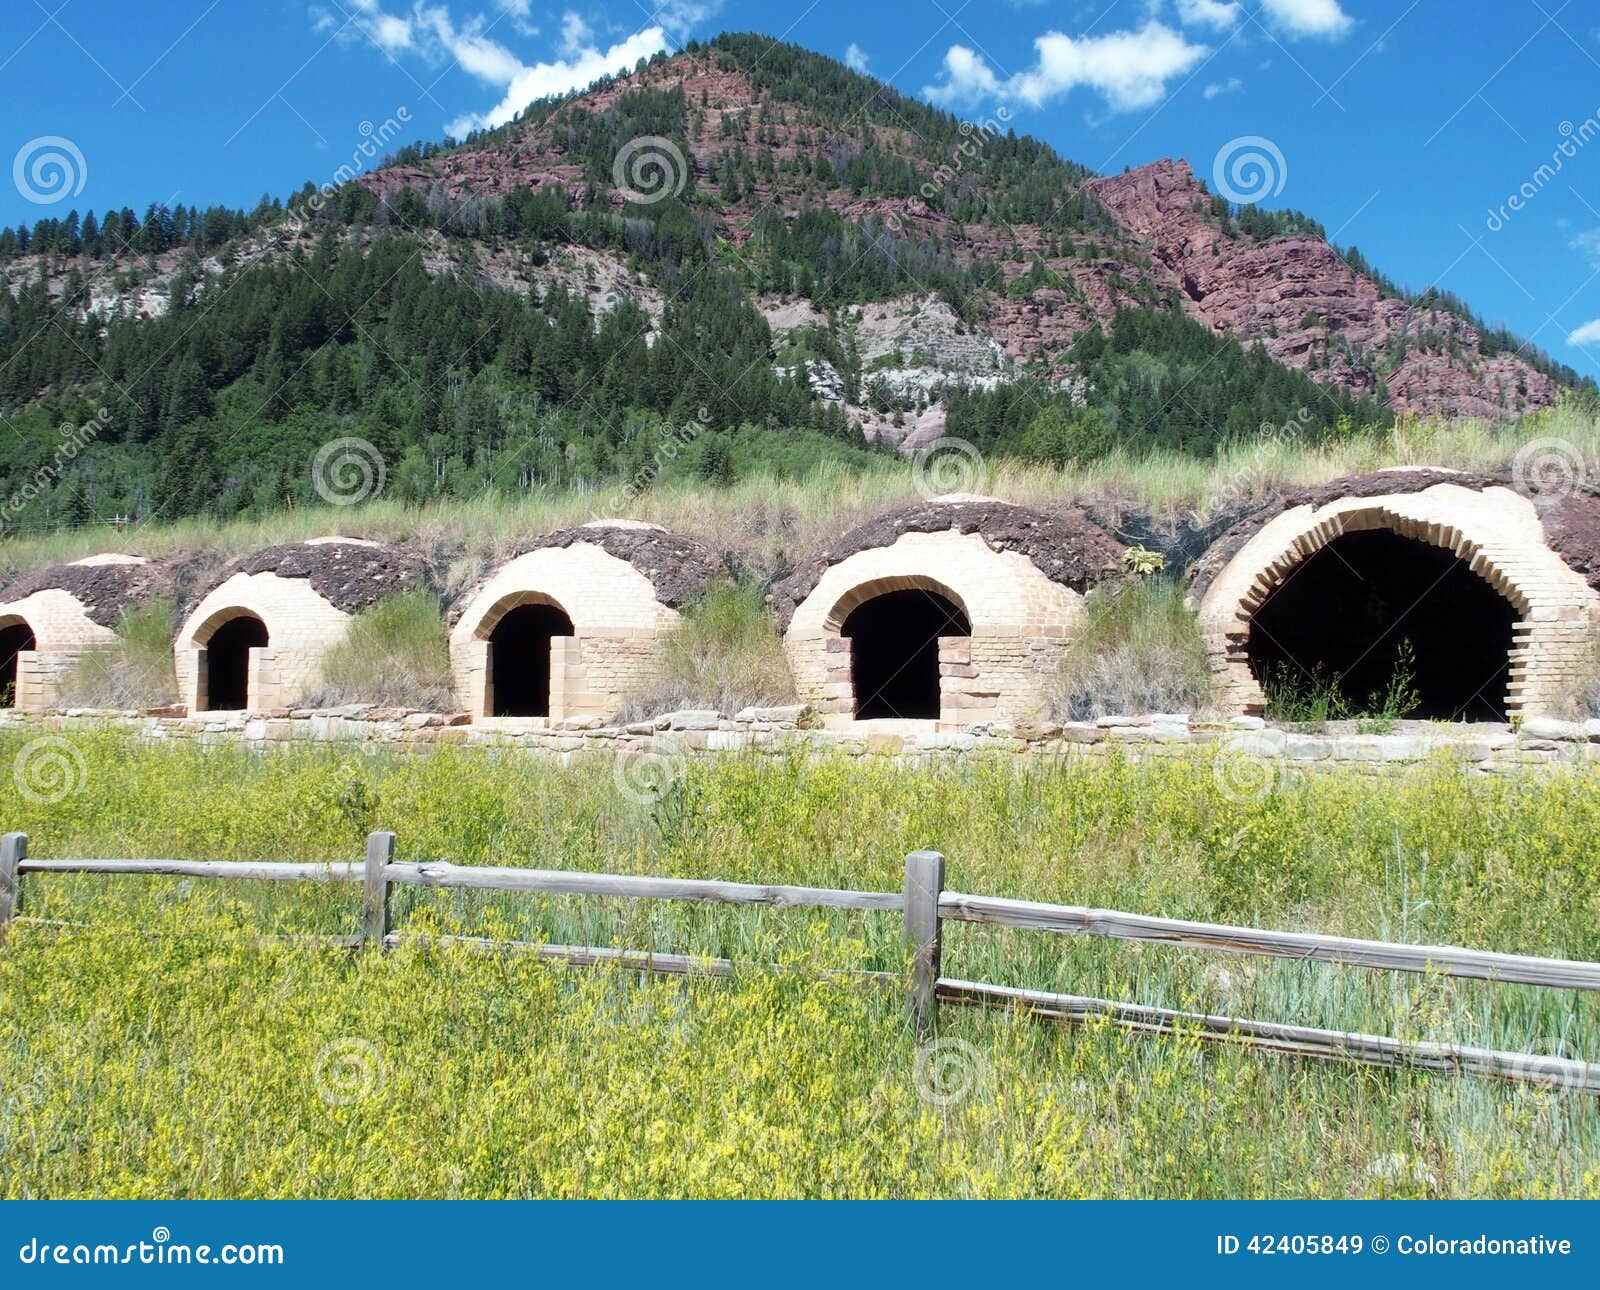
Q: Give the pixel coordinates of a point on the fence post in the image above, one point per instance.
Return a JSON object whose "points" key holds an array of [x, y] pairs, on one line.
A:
{"points": [[924, 882], [13, 851], [375, 890]]}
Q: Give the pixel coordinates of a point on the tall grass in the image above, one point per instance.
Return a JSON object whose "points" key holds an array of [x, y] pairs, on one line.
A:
{"points": [[765, 522], [1309, 700], [725, 653], [395, 654], [135, 672], [190, 1063], [1137, 649]]}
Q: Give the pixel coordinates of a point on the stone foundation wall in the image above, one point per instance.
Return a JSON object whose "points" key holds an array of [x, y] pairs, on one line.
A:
{"points": [[1538, 743]]}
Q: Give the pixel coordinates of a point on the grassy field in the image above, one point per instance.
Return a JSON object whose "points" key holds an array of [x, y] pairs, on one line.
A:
{"points": [[214, 1059], [764, 523]]}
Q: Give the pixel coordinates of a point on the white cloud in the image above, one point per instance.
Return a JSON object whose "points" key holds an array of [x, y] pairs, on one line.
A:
{"points": [[575, 33], [1129, 68], [1209, 13], [1218, 88], [855, 58], [393, 34], [1588, 242], [1588, 334], [525, 82], [1320, 19], [680, 16], [429, 32]]}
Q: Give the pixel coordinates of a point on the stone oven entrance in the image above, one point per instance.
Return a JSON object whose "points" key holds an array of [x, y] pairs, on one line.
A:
{"points": [[894, 652], [227, 662], [518, 681], [14, 640], [1345, 612]]}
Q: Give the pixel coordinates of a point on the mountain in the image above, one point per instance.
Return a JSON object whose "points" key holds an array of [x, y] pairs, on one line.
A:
{"points": [[744, 245]]}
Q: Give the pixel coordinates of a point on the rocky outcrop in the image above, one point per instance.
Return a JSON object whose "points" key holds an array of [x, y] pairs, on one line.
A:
{"points": [[679, 568], [349, 573], [1309, 309]]}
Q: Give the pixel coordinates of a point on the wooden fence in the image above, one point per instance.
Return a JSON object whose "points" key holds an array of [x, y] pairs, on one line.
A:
{"points": [[925, 906]]}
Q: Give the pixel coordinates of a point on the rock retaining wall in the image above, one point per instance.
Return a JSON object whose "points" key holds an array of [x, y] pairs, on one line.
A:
{"points": [[1486, 749]]}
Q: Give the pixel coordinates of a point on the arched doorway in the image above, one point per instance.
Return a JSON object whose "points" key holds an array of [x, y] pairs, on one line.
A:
{"points": [[894, 652], [519, 659], [14, 639], [228, 662], [1352, 610]]}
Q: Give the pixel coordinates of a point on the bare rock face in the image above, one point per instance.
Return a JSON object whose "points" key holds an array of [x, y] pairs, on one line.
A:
{"points": [[1310, 310], [348, 573], [104, 587], [679, 568]]}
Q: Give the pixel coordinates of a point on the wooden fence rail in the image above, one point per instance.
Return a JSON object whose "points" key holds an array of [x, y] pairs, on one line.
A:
{"points": [[924, 906]]}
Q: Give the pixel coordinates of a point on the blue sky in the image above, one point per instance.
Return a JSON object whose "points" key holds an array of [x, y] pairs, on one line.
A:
{"points": [[1455, 142]]}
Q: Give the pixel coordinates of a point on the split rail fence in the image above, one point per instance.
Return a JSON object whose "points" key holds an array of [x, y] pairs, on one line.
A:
{"points": [[925, 906]]}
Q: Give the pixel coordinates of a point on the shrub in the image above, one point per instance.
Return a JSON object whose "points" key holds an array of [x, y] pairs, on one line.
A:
{"points": [[1312, 699], [725, 654], [136, 671], [1138, 649], [395, 654]]}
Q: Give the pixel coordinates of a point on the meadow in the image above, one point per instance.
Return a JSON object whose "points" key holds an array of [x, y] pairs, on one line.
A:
{"points": [[765, 520], [166, 1037]]}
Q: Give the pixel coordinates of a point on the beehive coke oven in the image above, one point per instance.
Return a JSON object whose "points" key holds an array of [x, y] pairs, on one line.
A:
{"points": [[957, 610], [1490, 590], [572, 624], [50, 619], [257, 639]]}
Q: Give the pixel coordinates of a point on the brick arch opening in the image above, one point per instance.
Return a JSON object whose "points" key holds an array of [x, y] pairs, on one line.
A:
{"points": [[16, 637], [1346, 611], [894, 632], [226, 660], [521, 632]]}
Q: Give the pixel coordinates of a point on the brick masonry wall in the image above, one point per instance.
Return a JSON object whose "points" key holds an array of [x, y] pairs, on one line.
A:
{"points": [[63, 632], [1241, 746], [301, 628], [616, 619], [1021, 624], [1497, 531]]}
